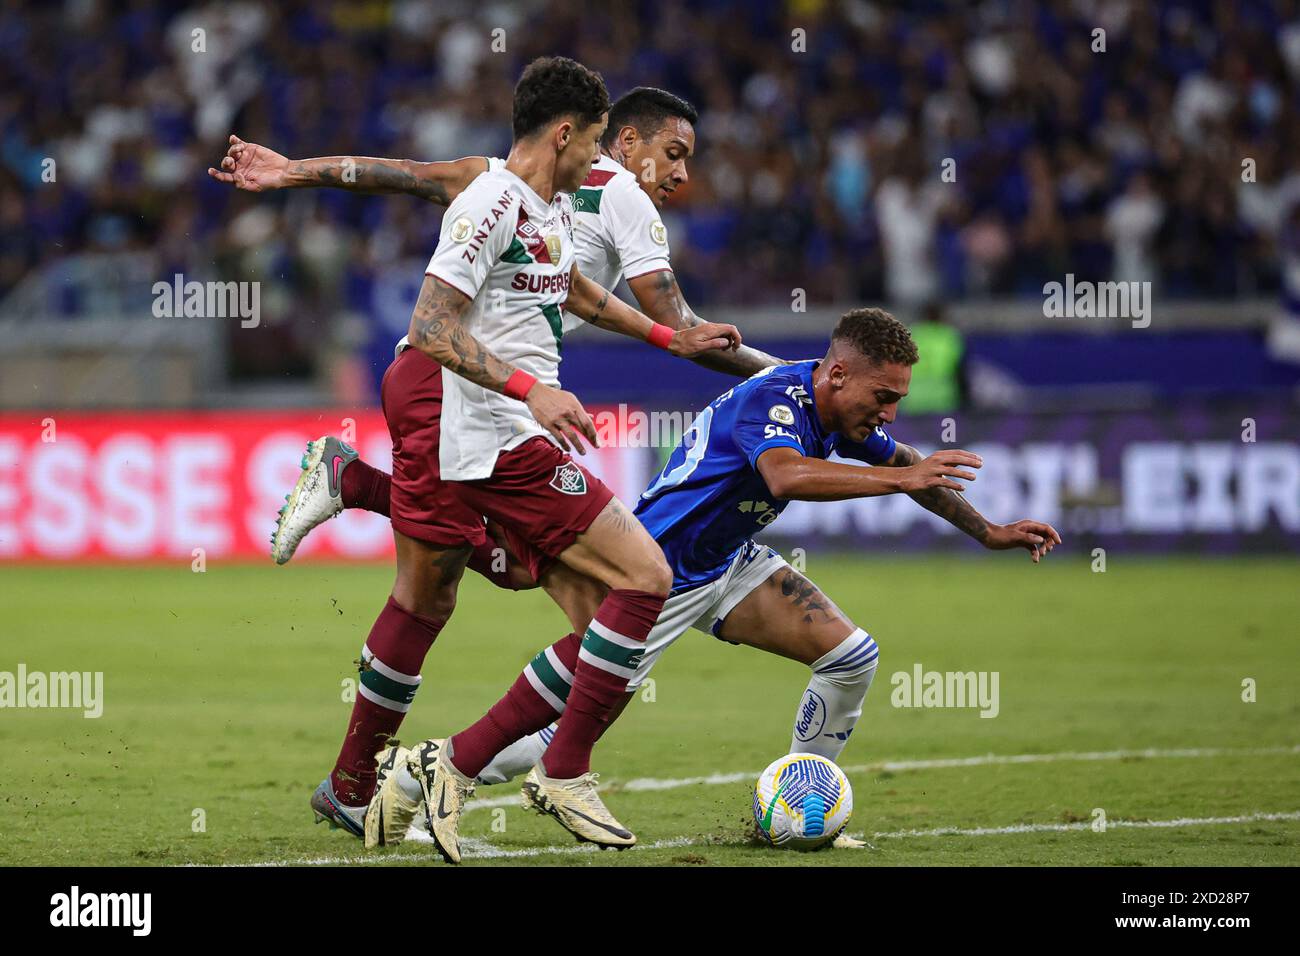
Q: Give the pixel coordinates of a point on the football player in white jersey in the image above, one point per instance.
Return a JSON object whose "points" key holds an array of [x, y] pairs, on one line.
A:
{"points": [[480, 428], [644, 153]]}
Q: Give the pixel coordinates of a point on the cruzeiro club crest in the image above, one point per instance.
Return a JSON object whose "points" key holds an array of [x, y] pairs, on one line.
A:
{"points": [[569, 479]]}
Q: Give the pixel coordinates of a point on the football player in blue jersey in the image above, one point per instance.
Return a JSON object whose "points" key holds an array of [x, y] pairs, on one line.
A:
{"points": [[755, 448]]}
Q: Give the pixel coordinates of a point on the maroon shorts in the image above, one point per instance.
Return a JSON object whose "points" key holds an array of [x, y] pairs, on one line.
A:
{"points": [[422, 504], [542, 499]]}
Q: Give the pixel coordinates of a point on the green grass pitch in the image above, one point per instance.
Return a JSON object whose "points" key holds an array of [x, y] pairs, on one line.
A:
{"points": [[224, 708]]}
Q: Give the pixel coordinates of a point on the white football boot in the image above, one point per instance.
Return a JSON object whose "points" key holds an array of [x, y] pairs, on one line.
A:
{"points": [[315, 498], [392, 808], [575, 806], [445, 791]]}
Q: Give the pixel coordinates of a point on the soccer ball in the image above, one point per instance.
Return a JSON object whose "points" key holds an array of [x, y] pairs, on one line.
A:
{"points": [[802, 801]]}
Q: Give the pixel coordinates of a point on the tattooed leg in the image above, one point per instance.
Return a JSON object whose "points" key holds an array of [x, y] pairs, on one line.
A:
{"points": [[790, 616]]}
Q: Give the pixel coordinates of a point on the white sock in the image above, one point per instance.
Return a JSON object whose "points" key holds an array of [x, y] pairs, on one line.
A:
{"points": [[407, 783], [518, 758], [832, 704]]}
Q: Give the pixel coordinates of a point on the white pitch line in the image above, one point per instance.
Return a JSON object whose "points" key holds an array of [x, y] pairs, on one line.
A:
{"points": [[641, 784], [718, 779], [1074, 827], [475, 848]]}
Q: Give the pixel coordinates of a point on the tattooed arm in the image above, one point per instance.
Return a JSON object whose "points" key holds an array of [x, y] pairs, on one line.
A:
{"points": [[949, 503], [590, 301], [661, 299], [254, 168], [438, 330]]}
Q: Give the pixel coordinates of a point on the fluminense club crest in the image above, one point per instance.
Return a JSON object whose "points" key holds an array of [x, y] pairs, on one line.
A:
{"points": [[569, 479]]}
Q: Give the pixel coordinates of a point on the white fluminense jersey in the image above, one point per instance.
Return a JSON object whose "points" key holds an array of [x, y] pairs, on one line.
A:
{"points": [[512, 254], [619, 232], [618, 229]]}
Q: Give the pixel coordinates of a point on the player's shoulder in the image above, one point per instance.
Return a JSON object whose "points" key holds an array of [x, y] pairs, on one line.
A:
{"points": [[790, 378], [608, 173], [786, 388], [497, 187], [621, 191], [474, 214]]}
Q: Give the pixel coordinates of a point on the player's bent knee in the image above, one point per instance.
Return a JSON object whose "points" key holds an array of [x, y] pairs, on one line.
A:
{"points": [[642, 568], [853, 661], [655, 577], [428, 599]]}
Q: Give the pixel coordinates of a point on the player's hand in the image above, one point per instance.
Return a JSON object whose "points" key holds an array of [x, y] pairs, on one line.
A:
{"points": [[1036, 537], [939, 470], [252, 168], [561, 414], [705, 337]]}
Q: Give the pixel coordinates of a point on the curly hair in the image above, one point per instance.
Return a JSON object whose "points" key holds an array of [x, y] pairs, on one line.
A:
{"points": [[877, 335], [555, 86]]}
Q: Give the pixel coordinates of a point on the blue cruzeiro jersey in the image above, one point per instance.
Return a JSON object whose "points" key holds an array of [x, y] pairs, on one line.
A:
{"points": [[710, 499]]}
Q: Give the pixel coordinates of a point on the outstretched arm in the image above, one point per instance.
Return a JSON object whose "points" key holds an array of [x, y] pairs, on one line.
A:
{"points": [[438, 330], [591, 301], [661, 299], [948, 503], [253, 168], [794, 476]]}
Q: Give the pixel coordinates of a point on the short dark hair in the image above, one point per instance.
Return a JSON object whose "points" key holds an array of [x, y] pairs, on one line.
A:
{"points": [[646, 109], [877, 335], [555, 86]]}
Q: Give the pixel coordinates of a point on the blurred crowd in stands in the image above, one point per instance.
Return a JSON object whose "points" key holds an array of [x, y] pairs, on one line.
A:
{"points": [[1151, 141]]}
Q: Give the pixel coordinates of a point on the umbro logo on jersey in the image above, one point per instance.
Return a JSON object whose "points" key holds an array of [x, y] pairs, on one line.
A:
{"points": [[534, 245], [569, 479]]}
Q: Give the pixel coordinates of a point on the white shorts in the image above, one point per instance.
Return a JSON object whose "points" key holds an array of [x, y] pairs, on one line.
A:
{"points": [[706, 606]]}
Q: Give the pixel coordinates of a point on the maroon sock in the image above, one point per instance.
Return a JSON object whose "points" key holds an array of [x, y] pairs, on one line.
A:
{"points": [[390, 674], [363, 486], [522, 711], [605, 664]]}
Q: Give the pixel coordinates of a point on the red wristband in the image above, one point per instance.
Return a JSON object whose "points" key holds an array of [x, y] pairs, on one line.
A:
{"points": [[660, 336], [518, 384]]}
